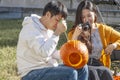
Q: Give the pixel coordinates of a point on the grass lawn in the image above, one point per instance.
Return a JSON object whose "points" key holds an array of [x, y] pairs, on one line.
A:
{"points": [[9, 30]]}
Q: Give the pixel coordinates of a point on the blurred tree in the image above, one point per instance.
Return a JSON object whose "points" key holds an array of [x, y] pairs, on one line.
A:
{"points": [[71, 3]]}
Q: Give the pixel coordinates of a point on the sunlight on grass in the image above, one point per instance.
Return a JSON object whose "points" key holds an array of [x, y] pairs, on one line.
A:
{"points": [[8, 63]]}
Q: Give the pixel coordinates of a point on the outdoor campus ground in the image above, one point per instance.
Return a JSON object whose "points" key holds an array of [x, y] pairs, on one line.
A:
{"points": [[9, 30]]}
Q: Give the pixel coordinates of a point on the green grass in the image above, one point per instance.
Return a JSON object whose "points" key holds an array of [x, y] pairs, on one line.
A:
{"points": [[8, 63], [9, 30]]}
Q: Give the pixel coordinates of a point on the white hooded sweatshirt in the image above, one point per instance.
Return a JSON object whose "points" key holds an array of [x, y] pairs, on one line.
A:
{"points": [[36, 46]]}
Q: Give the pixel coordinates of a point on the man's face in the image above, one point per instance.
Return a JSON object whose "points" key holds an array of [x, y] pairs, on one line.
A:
{"points": [[53, 21]]}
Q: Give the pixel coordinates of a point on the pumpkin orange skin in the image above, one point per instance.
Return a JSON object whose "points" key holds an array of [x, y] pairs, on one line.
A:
{"points": [[74, 54], [116, 77]]}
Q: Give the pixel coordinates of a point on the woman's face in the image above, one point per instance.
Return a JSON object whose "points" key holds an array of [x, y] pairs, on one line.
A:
{"points": [[88, 15]]}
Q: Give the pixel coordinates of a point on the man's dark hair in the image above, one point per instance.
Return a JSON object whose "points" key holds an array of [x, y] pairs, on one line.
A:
{"points": [[55, 8]]}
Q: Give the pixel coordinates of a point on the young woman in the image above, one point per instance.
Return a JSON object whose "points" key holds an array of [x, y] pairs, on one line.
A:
{"points": [[100, 40]]}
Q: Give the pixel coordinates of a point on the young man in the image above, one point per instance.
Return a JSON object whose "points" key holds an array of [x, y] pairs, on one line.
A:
{"points": [[36, 56]]}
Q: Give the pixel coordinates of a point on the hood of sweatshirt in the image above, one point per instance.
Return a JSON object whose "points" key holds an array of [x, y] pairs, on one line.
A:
{"points": [[33, 19]]}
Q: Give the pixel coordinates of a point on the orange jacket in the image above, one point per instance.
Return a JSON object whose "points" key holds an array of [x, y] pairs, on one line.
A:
{"points": [[108, 35]]}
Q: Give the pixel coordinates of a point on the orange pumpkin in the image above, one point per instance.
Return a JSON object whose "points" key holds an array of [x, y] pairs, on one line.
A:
{"points": [[116, 77], [74, 54]]}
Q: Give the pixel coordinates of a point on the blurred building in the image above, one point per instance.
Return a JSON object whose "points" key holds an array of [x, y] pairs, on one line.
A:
{"points": [[21, 8]]}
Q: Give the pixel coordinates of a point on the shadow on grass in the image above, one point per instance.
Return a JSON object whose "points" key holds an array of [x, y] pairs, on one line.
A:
{"points": [[12, 43], [9, 31]]}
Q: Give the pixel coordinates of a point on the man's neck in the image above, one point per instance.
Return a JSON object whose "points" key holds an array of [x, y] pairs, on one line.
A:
{"points": [[43, 21]]}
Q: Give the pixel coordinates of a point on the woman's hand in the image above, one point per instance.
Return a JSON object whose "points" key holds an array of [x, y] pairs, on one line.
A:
{"points": [[77, 32], [110, 48]]}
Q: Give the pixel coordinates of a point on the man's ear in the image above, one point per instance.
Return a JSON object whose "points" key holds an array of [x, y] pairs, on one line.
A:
{"points": [[48, 14]]}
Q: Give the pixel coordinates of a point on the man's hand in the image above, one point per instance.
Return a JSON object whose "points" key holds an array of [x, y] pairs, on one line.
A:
{"points": [[61, 27]]}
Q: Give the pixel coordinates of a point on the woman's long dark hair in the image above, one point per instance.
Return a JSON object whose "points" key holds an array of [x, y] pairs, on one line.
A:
{"points": [[78, 20], [84, 5]]}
